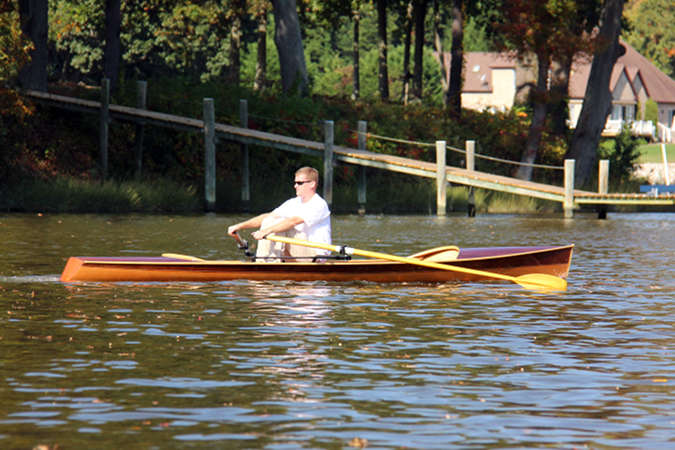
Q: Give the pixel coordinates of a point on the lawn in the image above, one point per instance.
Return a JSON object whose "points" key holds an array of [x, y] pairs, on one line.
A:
{"points": [[651, 153]]}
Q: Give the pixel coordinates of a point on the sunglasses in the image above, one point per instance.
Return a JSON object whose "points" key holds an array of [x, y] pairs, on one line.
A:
{"points": [[301, 182]]}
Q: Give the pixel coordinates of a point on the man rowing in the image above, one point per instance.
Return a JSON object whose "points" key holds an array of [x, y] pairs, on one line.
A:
{"points": [[305, 216]]}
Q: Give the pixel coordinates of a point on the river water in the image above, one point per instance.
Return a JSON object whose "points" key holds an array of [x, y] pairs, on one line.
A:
{"points": [[337, 365]]}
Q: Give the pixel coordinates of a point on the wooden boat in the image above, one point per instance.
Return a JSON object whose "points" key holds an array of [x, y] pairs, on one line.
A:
{"points": [[511, 261]]}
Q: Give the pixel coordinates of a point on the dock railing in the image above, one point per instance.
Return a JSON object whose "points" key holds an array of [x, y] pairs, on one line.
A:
{"points": [[567, 195]]}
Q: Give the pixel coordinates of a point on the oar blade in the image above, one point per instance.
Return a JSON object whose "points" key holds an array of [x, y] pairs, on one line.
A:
{"points": [[541, 282]]}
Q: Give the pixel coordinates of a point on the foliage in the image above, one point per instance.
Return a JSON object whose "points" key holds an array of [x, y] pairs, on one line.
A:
{"points": [[652, 111], [652, 32], [14, 48], [623, 153]]}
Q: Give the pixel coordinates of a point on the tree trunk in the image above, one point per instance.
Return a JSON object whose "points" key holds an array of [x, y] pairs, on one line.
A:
{"points": [[234, 68], [288, 40], [559, 97], [356, 17], [261, 64], [112, 50], [405, 92], [454, 94], [383, 72], [33, 15], [538, 118], [438, 46], [419, 13], [598, 98]]}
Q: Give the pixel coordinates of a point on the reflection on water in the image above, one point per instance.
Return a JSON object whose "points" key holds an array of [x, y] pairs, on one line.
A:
{"points": [[282, 364]]}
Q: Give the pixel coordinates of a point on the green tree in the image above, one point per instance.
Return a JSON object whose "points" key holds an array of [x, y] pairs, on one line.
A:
{"points": [[652, 32]]}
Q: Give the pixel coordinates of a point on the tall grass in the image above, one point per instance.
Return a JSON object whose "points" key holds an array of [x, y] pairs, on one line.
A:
{"points": [[66, 195]]}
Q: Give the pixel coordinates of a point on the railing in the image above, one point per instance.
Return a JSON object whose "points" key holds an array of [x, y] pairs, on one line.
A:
{"points": [[664, 133], [642, 128], [331, 153]]}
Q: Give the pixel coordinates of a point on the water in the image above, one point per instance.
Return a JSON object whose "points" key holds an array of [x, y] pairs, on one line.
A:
{"points": [[336, 365]]}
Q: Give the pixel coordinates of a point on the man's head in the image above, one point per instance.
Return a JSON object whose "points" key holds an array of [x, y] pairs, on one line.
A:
{"points": [[306, 182]]}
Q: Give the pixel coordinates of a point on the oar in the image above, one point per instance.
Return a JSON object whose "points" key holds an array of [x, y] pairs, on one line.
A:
{"points": [[180, 256], [529, 281]]}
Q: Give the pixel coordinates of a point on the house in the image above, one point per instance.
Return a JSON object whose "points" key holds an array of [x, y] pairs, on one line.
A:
{"points": [[496, 81]]}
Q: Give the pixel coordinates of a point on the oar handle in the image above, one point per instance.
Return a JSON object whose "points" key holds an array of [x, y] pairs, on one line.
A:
{"points": [[241, 243]]}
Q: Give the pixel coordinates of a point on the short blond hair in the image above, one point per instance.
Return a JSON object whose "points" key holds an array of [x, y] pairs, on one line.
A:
{"points": [[310, 172]]}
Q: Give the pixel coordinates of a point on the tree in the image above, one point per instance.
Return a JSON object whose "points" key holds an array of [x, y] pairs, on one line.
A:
{"points": [[356, 18], [419, 15], [407, 31], [652, 32], [260, 12], [112, 52], [288, 40], [236, 12], [453, 97], [541, 29], [383, 70], [33, 14], [598, 98]]}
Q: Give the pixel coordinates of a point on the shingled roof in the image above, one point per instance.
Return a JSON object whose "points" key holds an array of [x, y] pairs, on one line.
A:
{"points": [[659, 86]]}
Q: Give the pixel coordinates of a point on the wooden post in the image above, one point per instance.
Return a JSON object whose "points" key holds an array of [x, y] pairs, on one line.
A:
{"points": [[568, 204], [603, 185], [470, 165], [141, 103], [328, 162], [209, 154], [362, 137], [104, 123], [441, 179], [245, 168], [666, 174]]}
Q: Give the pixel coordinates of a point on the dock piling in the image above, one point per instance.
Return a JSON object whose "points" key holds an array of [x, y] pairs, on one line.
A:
{"points": [[141, 103], [209, 154], [568, 203], [328, 162], [441, 179], [471, 166], [603, 185], [104, 124], [362, 139], [245, 167]]}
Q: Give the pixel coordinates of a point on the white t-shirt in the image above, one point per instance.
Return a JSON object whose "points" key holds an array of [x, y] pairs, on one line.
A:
{"points": [[314, 213]]}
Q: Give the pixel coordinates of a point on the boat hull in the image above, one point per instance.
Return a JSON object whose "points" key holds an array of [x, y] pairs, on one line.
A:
{"points": [[512, 261]]}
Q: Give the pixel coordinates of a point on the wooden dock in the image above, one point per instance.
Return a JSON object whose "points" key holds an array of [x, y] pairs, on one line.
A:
{"points": [[569, 197]]}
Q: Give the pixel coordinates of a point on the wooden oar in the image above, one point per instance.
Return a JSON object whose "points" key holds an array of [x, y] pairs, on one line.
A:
{"points": [[179, 256], [530, 281]]}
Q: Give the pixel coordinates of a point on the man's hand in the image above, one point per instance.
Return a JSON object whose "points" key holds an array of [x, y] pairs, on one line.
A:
{"points": [[232, 230], [260, 234]]}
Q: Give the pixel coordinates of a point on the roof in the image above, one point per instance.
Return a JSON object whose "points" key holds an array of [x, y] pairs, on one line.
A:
{"points": [[659, 86]]}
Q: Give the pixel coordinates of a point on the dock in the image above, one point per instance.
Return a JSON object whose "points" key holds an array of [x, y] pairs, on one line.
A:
{"points": [[567, 195]]}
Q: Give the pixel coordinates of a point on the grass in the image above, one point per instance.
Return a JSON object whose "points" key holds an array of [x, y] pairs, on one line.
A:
{"points": [[651, 153], [69, 195]]}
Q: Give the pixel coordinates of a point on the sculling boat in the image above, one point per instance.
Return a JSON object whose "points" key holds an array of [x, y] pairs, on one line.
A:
{"points": [[508, 261]]}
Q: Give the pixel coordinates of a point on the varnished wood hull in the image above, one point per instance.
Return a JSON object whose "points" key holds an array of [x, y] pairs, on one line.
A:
{"points": [[513, 261]]}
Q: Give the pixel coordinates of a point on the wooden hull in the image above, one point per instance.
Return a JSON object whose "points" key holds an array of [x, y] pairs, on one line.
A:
{"points": [[513, 261]]}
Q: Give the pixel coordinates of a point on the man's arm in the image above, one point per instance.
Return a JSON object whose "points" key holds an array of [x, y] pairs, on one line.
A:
{"points": [[254, 222], [283, 225]]}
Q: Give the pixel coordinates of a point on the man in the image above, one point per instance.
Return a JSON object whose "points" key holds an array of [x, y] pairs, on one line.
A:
{"points": [[305, 216]]}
